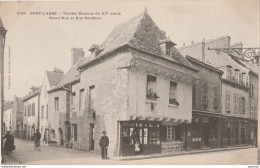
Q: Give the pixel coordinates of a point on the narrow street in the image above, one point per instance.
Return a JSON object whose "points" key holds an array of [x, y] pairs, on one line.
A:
{"points": [[25, 154]]}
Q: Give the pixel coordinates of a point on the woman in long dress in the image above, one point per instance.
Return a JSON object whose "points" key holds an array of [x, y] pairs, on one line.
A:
{"points": [[9, 142]]}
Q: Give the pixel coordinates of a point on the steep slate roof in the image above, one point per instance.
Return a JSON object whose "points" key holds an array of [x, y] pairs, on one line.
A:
{"points": [[53, 77], [140, 33], [35, 92], [71, 76], [1, 23]]}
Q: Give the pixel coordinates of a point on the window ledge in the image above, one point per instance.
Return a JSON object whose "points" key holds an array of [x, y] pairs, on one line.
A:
{"points": [[172, 105], [151, 101]]}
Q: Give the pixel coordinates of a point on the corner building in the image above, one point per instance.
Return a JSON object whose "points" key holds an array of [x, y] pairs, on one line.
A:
{"points": [[138, 88]]}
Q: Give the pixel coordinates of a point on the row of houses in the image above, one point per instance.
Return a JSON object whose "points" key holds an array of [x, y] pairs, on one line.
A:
{"points": [[149, 96]]}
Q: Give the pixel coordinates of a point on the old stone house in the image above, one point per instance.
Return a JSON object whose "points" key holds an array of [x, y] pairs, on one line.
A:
{"points": [[62, 103], [138, 88], [50, 78]]}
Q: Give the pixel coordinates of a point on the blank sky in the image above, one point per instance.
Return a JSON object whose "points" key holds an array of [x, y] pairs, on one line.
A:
{"points": [[39, 44]]}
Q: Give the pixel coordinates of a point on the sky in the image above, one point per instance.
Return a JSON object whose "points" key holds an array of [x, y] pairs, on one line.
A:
{"points": [[38, 44]]}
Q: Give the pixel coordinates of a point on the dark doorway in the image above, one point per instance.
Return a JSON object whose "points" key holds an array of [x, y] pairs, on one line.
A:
{"points": [[205, 134], [91, 137], [236, 136], [243, 134]]}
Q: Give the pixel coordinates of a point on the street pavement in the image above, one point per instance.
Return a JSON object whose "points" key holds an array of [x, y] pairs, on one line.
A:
{"points": [[26, 154]]}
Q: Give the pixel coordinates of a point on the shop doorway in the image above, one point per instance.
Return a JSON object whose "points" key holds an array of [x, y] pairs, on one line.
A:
{"points": [[140, 137], [91, 137], [205, 134], [243, 135]]}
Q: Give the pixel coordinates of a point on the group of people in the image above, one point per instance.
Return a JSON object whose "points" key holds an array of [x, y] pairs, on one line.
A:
{"points": [[9, 143]]}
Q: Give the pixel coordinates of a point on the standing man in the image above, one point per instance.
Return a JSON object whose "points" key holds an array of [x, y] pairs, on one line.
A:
{"points": [[103, 143], [37, 137]]}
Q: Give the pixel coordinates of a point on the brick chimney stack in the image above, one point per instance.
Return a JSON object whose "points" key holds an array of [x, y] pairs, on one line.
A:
{"points": [[76, 54]]}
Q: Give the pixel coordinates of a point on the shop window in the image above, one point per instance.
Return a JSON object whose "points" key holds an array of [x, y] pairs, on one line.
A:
{"points": [[73, 100], [170, 132], [228, 102], [92, 97], [215, 97], [56, 104], [151, 88], [81, 99], [204, 95], [74, 132], [236, 104], [173, 93]]}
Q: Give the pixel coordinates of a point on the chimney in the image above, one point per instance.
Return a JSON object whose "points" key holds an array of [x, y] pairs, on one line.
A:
{"points": [[76, 54], [57, 70], [203, 44], [95, 50]]}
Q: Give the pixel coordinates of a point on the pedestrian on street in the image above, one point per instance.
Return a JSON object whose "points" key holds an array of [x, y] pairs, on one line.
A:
{"points": [[9, 143], [37, 137], [103, 143]]}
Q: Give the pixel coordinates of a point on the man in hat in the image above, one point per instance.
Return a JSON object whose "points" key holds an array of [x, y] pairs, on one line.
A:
{"points": [[103, 143]]}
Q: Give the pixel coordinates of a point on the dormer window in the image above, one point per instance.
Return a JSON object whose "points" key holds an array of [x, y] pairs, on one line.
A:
{"points": [[166, 46], [236, 75], [229, 72]]}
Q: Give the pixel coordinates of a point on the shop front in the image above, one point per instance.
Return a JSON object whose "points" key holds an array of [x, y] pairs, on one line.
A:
{"points": [[148, 137], [236, 131], [140, 137], [205, 132]]}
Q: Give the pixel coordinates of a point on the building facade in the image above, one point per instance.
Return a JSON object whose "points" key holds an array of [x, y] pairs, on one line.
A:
{"points": [[17, 117], [235, 105], [138, 89], [206, 107], [50, 78], [31, 117]]}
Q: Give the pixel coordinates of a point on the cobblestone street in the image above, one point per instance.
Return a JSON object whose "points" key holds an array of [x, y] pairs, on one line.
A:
{"points": [[25, 154]]}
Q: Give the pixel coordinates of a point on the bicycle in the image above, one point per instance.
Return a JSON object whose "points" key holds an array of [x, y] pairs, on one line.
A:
{"points": [[37, 145]]}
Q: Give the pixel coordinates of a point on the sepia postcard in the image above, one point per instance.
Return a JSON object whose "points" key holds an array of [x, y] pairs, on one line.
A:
{"points": [[171, 82]]}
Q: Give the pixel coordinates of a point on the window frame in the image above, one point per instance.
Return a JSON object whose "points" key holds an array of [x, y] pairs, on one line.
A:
{"points": [[56, 103], [81, 99], [92, 96]]}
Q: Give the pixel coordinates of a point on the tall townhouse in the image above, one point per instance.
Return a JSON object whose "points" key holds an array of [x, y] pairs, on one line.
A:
{"points": [[253, 97], [17, 117], [31, 117], [62, 104], [137, 87], [50, 78], [206, 107], [235, 88], [2, 47]]}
